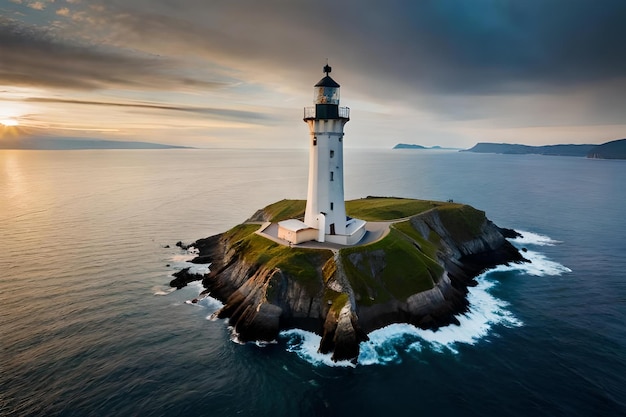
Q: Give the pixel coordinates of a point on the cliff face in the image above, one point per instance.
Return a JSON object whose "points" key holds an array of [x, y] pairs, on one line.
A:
{"points": [[464, 248], [418, 274]]}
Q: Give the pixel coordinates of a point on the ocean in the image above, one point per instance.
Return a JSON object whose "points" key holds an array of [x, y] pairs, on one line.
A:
{"points": [[89, 326]]}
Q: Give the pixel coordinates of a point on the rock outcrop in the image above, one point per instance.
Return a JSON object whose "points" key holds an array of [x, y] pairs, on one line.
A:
{"points": [[267, 287]]}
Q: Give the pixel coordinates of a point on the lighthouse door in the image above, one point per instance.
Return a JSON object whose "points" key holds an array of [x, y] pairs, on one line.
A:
{"points": [[332, 228]]}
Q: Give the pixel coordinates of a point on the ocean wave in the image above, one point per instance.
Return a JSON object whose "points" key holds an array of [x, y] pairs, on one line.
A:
{"points": [[530, 238], [541, 266]]}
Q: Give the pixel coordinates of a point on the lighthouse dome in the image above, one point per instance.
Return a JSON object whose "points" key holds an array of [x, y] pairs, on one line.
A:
{"points": [[326, 90]]}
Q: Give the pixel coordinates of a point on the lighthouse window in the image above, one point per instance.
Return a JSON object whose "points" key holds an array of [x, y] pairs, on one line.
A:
{"points": [[340, 138], [331, 206], [314, 141], [332, 175], [332, 153]]}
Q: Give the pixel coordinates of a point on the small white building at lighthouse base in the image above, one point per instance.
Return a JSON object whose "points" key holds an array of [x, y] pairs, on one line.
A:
{"points": [[296, 231], [355, 230]]}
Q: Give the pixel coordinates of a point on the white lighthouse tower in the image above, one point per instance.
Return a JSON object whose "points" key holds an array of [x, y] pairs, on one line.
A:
{"points": [[325, 206]]}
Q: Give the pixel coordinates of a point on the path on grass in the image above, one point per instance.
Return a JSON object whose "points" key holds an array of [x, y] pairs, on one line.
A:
{"points": [[374, 231]]}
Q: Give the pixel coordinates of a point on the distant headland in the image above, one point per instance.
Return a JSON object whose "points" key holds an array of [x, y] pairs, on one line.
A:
{"points": [[610, 150], [56, 143], [417, 262], [615, 149], [413, 146]]}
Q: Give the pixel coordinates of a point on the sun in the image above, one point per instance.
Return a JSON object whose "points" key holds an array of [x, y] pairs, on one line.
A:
{"points": [[10, 128], [9, 122]]}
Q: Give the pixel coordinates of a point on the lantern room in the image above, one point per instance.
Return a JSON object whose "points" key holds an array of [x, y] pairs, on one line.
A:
{"points": [[327, 90]]}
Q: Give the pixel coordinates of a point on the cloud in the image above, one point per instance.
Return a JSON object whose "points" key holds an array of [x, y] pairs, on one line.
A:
{"points": [[37, 57], [478, 47], [400, 48], [222, 113], [500, 63], [37, 5], [63, 11]]}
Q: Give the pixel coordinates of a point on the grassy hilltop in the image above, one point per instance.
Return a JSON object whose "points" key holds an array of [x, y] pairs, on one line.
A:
{"points": [[369, 209], [405, 270]]}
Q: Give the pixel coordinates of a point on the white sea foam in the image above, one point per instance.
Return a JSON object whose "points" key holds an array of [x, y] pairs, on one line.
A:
{"points": [[530, 238], [182, 257], [486, 313], [234, 337], [188, 255], [162, 291], [305, 345], [199, 269], [181, 261], [208, 302], [197, 285], [541, 266]]}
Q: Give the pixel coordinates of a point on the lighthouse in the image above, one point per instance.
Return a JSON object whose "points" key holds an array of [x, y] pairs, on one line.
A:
{"points": [[325, 205], [325, 217]]}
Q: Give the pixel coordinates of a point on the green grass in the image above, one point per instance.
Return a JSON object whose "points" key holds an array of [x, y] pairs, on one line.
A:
{"points": [[240, 231], [428, 247], [406, 270], [370, 208], [464, 222], [337, 300], [329, 269], [396, 267], [286, 209], [301, 264], [388, 208]]}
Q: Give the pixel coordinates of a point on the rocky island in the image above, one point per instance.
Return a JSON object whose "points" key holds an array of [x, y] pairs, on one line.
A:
{"points": [[418, 261]]}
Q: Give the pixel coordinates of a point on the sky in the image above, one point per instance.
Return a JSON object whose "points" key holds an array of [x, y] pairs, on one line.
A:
{"points": [[238, 73]]}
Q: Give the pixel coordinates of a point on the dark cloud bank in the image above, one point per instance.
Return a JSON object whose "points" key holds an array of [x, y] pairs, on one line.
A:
{"points": [[393, 51], [480, 46]]}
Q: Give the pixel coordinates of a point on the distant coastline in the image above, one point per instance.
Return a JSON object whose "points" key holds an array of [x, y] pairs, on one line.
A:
{"points": [[517, 149], [413, 146], [610, 150], [615, 149], [55, 143]]}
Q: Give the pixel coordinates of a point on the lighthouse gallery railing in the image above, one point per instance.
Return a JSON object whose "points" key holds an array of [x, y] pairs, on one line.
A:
{"points": [[309, 112]]}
